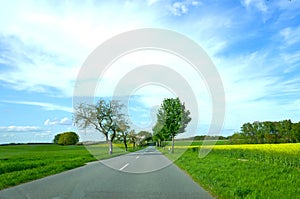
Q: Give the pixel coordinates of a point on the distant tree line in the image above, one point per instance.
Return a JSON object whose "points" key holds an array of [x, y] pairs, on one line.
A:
{"points": [[209, 137], [268, 132]]}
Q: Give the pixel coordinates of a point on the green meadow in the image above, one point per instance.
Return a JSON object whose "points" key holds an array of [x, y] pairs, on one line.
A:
{"points": [[23, 163]]}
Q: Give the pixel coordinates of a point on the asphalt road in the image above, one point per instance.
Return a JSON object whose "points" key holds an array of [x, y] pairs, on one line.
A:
{"points": [[143, 174]]}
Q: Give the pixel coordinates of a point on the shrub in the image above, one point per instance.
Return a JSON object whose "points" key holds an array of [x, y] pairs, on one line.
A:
{"points": [[56, 138], [67, 138]]}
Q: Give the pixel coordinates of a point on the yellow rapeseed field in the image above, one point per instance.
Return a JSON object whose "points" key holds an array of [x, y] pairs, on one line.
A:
{"points": [[279, 154], [273, 148]]}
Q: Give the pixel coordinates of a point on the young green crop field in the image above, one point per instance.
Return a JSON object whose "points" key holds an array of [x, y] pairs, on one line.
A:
{"points": [[243, 171], [23, 163]]}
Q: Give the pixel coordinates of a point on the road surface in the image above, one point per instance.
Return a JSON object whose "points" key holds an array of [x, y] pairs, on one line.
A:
{"points": [[143, 174]]}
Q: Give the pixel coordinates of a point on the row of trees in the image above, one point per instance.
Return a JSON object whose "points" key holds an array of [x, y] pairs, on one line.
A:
{"points": [[136, 139], [172, 119], [268, 132], [108, 118]]}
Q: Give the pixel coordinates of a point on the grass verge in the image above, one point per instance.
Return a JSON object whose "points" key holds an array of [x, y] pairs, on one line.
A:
{"points": [[243, 173]]}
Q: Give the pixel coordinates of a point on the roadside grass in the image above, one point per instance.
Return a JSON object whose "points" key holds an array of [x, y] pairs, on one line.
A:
{"points": [[195, 142], [244, 171], [100, 151], [23, 163]]}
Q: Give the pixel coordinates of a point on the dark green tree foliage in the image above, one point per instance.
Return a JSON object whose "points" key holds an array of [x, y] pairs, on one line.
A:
{"points": [[143, 138], [172, 119], [67, 138], [295, 132], [268, 132], [159, 133], [207, 137], [56, 138]]}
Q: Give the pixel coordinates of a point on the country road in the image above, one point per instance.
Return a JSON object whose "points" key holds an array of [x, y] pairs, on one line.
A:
{"points": [[143, 174]]}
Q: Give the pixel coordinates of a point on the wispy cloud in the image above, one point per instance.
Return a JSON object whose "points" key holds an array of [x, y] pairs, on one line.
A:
{"points": [[291, 35], [19, 129], [43, 134], [46, 48], [44, 105], [43, 45], [259, 4]]}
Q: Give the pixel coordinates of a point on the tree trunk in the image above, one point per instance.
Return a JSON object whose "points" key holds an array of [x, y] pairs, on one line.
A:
{"points": [[110, 147], [125, 144], [172, 144]]}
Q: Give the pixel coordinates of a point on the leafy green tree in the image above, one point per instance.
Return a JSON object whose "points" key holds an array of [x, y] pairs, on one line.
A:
{"points": [[103, 116], [295, 132], [68, 138], [143, 137], [157, 139], [284, 129], [237, 138], [270, 132], [122, 131], [132, 138], [159, 132], [247, 131], [174, 118], [56, 138]]}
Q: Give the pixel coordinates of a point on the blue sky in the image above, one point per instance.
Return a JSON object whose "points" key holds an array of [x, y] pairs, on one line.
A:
{"points": [[254, 44]]}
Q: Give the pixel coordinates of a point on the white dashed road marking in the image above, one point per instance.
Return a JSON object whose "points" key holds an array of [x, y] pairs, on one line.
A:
{"points": [[124, 166]]}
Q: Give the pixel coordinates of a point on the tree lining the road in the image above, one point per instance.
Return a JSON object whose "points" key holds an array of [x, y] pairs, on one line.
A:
{"points": [[103, 116], [107, 117], [172, 119], [123, 132]]}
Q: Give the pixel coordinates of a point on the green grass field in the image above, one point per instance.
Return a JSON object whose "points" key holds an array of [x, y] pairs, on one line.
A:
{"points": [[23, 163], [244, 171]]}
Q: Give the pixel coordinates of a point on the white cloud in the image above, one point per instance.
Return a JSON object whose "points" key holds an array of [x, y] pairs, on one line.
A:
{"points": [[179, 8], [49, 41], [63, 121], [255, 90], [291, 35], [43, 134], [19, 128], [151, 2], [47, 47], [44, 105], [259, 4], [182, 7]]}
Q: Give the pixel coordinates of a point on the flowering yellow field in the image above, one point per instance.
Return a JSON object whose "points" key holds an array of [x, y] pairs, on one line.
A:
{"points": [[289, 148], [273, 148], [279, 154]]}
